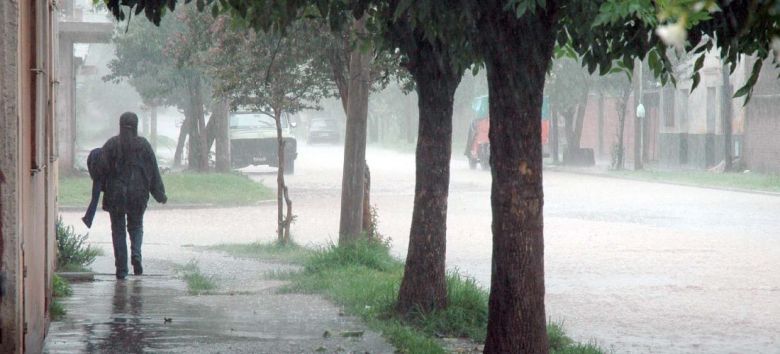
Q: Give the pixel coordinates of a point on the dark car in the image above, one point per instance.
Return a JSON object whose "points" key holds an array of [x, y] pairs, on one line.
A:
{"points": [[324, 130]]}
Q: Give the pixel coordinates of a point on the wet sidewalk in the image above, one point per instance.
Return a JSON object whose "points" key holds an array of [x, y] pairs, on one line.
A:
{"points": [[155, 313]]}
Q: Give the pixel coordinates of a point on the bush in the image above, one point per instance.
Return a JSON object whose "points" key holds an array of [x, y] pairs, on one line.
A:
{"points": [[72, 252]]}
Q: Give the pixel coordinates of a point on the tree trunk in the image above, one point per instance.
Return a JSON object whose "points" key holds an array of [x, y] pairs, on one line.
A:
{"points": [[337, 65], [203, 152], [637, 120], [282, 197], [516, 68], [568, 120], [424, 285], [183, 131], [153, 135], [727, 129], [351, 221], [222, 135], [620, 149], [193, 149], [601, 124], [368, 222]]}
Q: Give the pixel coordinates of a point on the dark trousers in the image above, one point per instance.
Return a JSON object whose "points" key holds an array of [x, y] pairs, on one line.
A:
{"points": [[119, 230]]}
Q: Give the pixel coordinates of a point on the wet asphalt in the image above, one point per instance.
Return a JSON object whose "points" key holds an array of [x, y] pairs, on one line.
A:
{"points": [[636, 267]]}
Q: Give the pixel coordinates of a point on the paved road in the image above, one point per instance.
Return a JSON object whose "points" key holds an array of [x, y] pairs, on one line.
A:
{"points": [[635, 266]]}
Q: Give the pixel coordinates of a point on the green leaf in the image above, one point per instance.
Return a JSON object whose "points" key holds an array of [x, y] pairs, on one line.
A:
{"points": [[696, 80], [698, 64], [748, 87], [654, 61]]}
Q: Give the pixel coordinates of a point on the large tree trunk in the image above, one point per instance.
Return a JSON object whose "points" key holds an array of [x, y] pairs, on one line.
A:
{"points": [[368, 221], [516, 67], [221, 135], [424, 285], [352, 183], [619, 151], [203, 153], [198, 154]]}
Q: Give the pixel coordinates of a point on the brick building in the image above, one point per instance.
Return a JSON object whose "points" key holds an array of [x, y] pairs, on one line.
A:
{"points": [[684, 129]]}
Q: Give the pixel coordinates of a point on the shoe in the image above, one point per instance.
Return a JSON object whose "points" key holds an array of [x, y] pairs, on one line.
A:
{"points": [[138, 269], [120, 277]]}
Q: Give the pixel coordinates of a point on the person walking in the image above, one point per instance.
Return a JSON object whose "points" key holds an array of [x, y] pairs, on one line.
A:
{"points": [[129, 167]]}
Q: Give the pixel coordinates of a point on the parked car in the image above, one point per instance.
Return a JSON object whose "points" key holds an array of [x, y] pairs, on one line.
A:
{"points": [[253, 141], [324, 130]]}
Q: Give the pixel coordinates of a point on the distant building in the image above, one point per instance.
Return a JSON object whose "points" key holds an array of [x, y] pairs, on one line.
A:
{"points": [[684, 129], [691, 133]]}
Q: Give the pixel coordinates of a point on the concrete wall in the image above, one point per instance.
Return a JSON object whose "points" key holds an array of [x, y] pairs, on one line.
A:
{"points": [[28, 193], [761, 148], [762, 135], [11, 330]]}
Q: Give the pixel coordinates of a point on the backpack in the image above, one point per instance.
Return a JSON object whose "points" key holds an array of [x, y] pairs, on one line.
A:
{"points": [[93, 161]]}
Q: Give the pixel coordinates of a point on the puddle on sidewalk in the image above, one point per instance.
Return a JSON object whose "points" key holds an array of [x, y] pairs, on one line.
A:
{"points": [[154, 314]]}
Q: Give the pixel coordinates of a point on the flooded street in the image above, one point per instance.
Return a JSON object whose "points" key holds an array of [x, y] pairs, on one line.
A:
{"points": [[637, 267]]}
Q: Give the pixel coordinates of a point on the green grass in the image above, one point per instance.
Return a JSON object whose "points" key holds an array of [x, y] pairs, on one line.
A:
{"points": [[221, 189], [197, 282], [364, 279], [560, 343], [750, 181], [60, 289]]}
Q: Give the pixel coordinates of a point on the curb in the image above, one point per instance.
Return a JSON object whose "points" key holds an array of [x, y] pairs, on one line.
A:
{"points": [[77, 276], [73, 208], [682, 184]]}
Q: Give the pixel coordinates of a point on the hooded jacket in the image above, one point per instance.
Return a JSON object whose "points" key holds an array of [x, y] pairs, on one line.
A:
{"points": [[130, 169]]}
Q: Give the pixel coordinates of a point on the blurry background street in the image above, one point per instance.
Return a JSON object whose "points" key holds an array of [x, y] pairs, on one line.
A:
{"points": [[634, 266]]}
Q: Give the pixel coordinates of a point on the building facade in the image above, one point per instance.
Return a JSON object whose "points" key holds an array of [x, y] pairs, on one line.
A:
{"points": [[28, 172]]}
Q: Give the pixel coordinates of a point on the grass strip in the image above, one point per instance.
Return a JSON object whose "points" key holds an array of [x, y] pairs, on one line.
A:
{"points": [[60, 288], [364, 279], [275, 251], [750, 181], [197, 282], [219, 189]]}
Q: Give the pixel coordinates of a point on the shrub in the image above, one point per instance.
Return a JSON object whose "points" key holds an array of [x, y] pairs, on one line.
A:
{"points": [[73, 254]]}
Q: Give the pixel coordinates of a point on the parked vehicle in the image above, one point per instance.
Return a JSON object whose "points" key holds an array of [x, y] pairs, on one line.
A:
{"points": [[324, 130], [253, 141], [478, 142]]}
